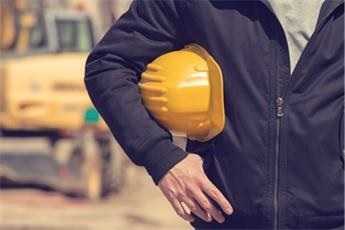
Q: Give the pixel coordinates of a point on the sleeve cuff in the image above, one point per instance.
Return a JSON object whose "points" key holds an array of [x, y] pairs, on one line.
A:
{"points": [[163, 156]]}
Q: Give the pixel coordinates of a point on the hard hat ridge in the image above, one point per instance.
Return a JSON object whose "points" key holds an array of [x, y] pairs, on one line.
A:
{"points": [[183, 90]]}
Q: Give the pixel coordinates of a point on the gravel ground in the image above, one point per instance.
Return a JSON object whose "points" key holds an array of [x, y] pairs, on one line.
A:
{"points": [[141, 206]]}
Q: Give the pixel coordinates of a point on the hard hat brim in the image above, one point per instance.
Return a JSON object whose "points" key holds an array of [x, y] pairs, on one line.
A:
{"points": [[216, 110]]}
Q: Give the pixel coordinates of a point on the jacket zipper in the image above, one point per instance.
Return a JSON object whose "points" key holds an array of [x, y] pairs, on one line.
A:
{"points": [[279, 114]]}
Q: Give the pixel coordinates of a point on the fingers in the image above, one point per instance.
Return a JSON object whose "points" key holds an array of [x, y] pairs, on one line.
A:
{"points": [[206, 205], [188, 189], [195, 208], [185, 208], [181, 209], [212, 191]]}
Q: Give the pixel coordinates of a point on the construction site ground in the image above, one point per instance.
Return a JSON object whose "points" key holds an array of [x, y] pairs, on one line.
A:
{"points": [[140, 206]]}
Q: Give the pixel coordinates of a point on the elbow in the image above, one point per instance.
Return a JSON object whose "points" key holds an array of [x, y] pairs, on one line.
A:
{"points": [[108, 74], [93, 70], [89, 67], [90, 76]]}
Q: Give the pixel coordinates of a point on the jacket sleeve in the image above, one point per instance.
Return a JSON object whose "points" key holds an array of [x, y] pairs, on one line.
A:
{"points": [[147, 30]]}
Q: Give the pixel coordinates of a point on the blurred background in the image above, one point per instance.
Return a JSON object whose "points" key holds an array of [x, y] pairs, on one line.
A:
{"points": [[59, 166]]}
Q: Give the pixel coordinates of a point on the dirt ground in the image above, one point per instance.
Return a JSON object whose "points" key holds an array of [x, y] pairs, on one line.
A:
{"points": [[140, 206]]}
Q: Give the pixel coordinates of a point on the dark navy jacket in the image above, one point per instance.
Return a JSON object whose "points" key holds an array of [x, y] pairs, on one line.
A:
{"points": [[279, 159]]}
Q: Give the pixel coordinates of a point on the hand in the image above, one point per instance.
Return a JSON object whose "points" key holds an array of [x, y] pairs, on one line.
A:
{"points": [[187, 188]]}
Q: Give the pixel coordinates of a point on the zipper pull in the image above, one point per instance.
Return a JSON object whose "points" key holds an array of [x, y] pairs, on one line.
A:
{"points": [[280, 107]]}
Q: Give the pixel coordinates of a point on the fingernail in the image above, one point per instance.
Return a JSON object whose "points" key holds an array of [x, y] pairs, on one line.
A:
{"points": [[221, 220], [229, 211]]}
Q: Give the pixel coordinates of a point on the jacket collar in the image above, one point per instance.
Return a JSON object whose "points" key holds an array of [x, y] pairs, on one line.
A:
{"points": [[328, 6], [268, 5], [327, 9]]}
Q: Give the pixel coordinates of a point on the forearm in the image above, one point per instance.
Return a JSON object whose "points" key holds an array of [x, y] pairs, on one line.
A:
{"points": [[112, 73]]}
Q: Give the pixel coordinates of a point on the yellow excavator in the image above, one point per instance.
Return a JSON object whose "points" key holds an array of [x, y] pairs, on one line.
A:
{"points": [[49, 132]]}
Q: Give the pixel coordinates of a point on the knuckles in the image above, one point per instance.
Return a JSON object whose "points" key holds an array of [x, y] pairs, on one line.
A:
{"points": [[206, 205], [180, 213], [213, 192]]}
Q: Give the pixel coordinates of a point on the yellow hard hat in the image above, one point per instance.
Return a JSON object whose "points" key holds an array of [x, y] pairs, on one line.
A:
{"points": [[183, 90]]}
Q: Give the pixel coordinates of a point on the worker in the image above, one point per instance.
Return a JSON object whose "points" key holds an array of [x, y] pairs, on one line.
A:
{"points": [[278, 162]]}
